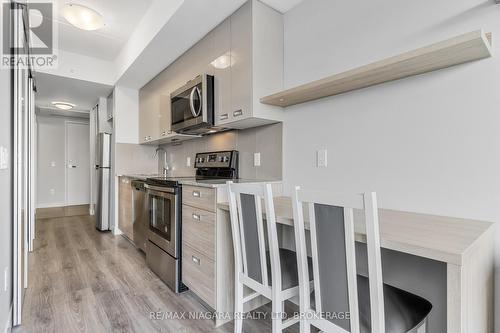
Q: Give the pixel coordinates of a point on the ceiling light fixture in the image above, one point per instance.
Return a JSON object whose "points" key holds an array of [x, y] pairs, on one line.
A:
{"points": [[63, 105], [83, 17], [222, 62]]}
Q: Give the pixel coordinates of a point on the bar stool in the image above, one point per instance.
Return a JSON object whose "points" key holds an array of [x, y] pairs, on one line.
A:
{"points": [[372, 305], [270, 272]]}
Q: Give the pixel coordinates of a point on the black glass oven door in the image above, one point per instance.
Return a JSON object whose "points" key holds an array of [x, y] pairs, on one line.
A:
{"points": [[163, 220], [160, 216]]}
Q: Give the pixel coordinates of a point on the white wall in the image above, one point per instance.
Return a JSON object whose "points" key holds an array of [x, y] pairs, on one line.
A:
{"points": [[81, 67], [6, 196], [126, 111], [51, 149], [428, 143]]}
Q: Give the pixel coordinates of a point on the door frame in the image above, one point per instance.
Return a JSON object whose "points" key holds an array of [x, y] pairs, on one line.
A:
{"points": [[66, 123]]}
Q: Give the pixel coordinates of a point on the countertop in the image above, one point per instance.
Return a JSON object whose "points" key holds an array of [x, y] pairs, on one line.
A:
{"points": [[192, 181], [441, 238]]}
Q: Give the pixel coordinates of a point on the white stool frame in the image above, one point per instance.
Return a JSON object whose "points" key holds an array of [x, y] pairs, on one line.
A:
{"points": [[367, 202], [274, 291]]}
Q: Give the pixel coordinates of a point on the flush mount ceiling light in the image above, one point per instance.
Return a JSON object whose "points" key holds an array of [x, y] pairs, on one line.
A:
{"points": [[83, 17], [63, 105], [222, 62]]}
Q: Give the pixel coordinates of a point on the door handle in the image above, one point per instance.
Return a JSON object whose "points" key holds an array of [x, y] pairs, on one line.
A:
{"points": [[195, 260], [196, 217], [72, 166], [196, 194]]}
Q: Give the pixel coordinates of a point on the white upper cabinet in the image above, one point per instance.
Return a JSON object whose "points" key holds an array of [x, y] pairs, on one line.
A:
{"points": [[220, 65], [149, 113], [256, 64], [244, 53], [241, 63]]}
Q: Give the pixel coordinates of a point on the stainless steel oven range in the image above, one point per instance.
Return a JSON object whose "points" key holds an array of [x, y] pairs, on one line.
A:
{"points": [[164, 195], [163, 247]]}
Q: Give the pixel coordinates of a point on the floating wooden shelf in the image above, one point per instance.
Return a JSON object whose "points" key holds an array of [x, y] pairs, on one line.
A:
{"points": [[471, 46]]}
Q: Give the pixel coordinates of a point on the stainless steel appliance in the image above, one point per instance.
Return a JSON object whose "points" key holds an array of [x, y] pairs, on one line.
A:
{"points": [[140, 214], [103, 168], [163, 250], [163, 246], [192, 106]]}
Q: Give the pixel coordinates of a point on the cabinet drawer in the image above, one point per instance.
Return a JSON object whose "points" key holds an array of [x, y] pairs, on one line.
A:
{"points": [[199, 197], [198, 230], [198, 273]]}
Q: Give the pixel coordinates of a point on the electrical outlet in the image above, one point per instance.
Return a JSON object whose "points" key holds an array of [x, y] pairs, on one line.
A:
{"points": [[52, 191], [4, 158], [52, 164], [322, 158], [6, 279], [188, 161], [256, 159]]}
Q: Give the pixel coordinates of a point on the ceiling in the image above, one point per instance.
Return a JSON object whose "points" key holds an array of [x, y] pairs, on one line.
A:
{"points": [[282, 5], [120, 18], [83, 94]]}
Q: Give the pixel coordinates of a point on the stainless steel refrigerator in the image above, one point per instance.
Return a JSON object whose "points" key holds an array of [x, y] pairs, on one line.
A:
{"points": [[103, 168]]}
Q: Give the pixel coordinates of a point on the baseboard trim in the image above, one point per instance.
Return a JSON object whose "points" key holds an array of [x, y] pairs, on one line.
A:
{"points": [[8, 324], [51, 205]]}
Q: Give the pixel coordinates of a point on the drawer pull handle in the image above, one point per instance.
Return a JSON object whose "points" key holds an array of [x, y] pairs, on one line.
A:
{"points": [[196, 217], [195, 260], [224, 116], [238, 113], [196, 194]]}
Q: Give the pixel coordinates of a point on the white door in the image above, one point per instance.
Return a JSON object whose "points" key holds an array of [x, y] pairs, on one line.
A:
{"points": [[77, 163]]}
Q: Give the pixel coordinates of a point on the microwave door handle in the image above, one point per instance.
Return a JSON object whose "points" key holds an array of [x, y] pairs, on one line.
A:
{"points": [[194, 112]]}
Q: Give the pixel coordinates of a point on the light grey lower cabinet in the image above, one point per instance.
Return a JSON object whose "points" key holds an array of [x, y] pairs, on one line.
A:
{"points": [[125, 206], [207, 252], [201, 253]]}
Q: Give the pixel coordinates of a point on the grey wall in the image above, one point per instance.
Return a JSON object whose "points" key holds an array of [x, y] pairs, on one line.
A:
{"points": [[428, 143], [51, 150], [135, 159], [266, 140], [5, 196]]}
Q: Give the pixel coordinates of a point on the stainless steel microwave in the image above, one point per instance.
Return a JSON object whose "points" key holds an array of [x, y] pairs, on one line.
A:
{"points": [[192, 106]]}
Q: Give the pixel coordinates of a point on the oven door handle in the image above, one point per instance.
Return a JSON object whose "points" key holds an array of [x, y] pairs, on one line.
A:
{"points": [[159, 188]]}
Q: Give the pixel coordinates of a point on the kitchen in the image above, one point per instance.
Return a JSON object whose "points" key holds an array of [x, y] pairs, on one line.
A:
{"points": [[253, 101]]}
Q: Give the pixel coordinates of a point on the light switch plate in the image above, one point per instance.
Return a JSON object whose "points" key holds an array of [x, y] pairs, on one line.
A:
{"points": [[188, 161], [256, 159], [322, 158], [4, 158]]}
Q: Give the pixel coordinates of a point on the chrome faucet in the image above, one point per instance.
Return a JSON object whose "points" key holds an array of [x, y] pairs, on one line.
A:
{"points": [[166, 168]]}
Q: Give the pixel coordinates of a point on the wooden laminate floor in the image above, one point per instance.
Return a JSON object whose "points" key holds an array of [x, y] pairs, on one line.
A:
{"points": [[82, 280]]}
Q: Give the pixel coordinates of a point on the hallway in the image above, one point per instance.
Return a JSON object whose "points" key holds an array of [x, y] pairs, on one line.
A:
{"points": [[82, 280]]}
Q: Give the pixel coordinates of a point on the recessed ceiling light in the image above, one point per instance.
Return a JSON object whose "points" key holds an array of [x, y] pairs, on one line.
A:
{"points": [[83, 17], [63, 105]]}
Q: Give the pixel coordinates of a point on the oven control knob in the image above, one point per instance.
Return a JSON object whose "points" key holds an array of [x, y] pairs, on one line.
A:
{"points": [[221, 159], [225, 159]]}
